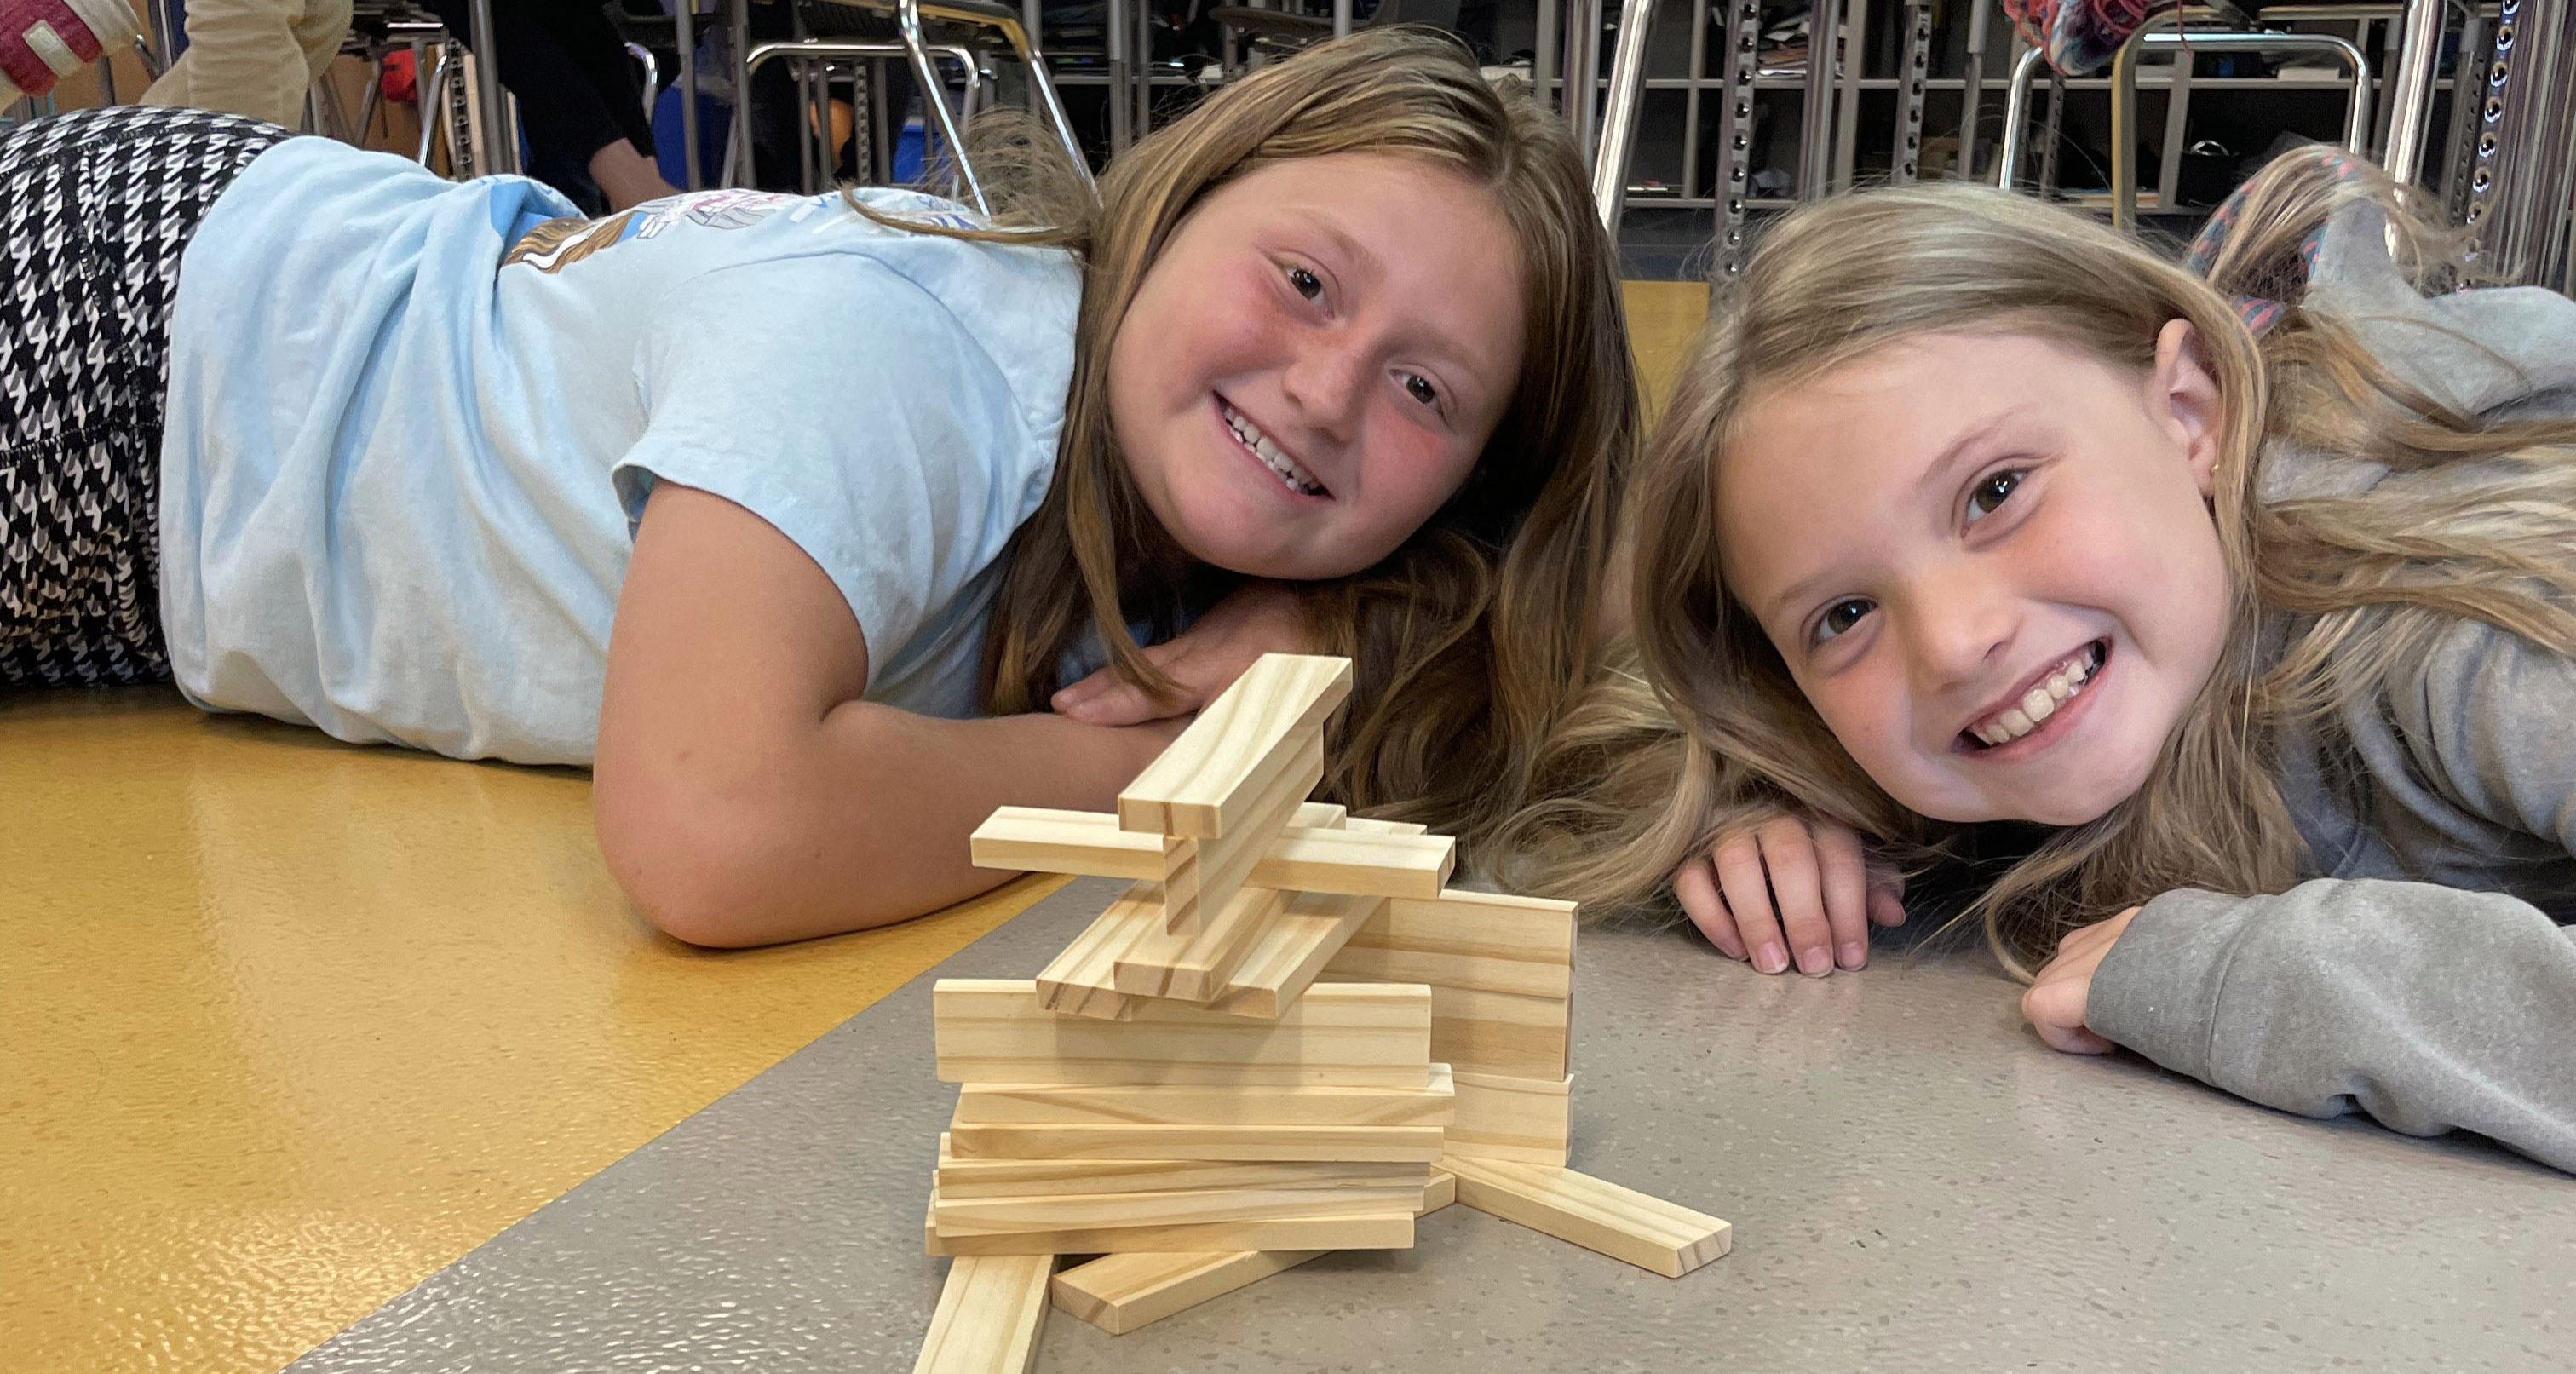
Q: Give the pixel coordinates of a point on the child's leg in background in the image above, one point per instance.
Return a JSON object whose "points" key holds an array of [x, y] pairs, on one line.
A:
{"points": [[95, 209], [253, 57]]}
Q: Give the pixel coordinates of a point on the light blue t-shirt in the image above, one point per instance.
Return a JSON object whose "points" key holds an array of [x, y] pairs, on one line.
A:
{"points": [[411, 424]]}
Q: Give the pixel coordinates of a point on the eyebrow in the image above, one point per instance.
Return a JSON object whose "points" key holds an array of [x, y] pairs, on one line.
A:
{"points": [[1935, 477], [1938, 475]]}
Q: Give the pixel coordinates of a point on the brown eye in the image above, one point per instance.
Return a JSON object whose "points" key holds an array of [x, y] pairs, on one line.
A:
{"points": [[1307, 284], [1421, 389], [1990, 493], [1841, 616]]}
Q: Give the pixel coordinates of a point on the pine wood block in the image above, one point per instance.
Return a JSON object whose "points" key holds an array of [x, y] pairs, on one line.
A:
{"points": [[1292, 952], [1119, 1293], [1518, 1119], [1210, 778], [1488, 1032], [1082, 980], [1186, 1104], [1487, 942], [1204, 875], [961, 1180], [1381, 1144], [1622, 1223], [994, 1216], [992, 1030], [1315, 853], [1194, 968], [1441, 1191], [1390, 1231], [1386, 827], [989, 1315]]}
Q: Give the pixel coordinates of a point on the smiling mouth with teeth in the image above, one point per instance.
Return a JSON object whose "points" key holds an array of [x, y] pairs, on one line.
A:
{"points": [[1260, 445], [2061, 686]]}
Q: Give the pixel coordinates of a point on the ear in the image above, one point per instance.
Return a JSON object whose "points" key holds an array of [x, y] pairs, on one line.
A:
{"points": [[2183, 399]]}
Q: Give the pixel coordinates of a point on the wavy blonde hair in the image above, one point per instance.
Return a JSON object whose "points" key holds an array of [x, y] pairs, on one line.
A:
{"points": [[1705, 729], [1467, 639]]}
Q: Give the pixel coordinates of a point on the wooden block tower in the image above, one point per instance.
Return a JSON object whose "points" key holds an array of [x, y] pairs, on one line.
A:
{"points": [[1288, 1037]]}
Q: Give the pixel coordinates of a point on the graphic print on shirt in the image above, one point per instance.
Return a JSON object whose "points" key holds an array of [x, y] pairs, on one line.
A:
{"points": [[559, 243]]}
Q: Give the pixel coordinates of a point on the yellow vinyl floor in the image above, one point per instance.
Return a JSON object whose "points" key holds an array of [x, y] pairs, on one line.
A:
{"points": [[287, 1025]]}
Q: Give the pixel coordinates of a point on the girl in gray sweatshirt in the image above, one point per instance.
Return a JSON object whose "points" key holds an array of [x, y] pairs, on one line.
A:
{"points": [[2255, 585]]}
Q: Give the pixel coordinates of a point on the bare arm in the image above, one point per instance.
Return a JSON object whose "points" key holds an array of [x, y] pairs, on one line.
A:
{"points": [[744, 795]]}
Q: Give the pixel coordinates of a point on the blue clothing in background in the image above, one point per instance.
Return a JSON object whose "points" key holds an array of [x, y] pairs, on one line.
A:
{"points": [[411, 424]]}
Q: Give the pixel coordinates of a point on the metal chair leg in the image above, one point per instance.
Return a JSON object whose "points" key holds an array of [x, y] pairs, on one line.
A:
{"points": [[2519, 186], [1735, 153], [2124, 95], [1619, 124]]}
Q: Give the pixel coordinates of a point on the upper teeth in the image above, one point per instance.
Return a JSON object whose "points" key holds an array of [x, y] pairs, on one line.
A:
{"points": [[2040, 702], [1297, 478]]}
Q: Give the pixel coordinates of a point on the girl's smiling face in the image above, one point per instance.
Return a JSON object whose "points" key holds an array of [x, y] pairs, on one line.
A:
{"points": [[1988, 562], [1313, 363]]}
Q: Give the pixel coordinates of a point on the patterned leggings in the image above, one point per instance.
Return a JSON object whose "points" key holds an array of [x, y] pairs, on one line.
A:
{"points": [[95, 209]]}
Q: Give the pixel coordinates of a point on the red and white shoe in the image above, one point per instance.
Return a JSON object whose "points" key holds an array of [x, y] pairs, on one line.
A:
{"points": [[42, 41]]}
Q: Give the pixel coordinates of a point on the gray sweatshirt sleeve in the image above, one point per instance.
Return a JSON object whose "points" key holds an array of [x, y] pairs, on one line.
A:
{"points": [[2427, 1007]]}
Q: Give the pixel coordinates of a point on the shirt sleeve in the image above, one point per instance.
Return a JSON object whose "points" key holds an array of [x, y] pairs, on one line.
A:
{"points": [[2427, 1007], [839, 401]]}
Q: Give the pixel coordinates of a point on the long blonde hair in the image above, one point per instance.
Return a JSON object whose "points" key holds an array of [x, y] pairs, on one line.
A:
{"points": [[1640, 780], [1466, 640]]}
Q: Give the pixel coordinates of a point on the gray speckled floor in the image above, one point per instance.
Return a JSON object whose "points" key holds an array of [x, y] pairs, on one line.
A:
{"points": [[1914, 1183]]}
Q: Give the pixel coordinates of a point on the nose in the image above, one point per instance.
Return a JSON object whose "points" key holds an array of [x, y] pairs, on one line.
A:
{"points": [[1327, 381], [1959, 620]]}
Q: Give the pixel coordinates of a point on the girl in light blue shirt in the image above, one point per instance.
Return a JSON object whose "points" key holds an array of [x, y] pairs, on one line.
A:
{"points": [[801, 519]]}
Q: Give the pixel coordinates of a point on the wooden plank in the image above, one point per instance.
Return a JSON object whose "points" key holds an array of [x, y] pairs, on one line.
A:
{"points": [[1177, 1104], [989, 1315], [1193, 968], [1320, 856], [1210, 777], [1386, 827], [1441, 1191], [1487, 1032], [1392, 1231], [1648, 1232], [1519, 1119], [992, 1030], [1082, 980], [1204, 875], [994, 1216], [1119, 1293], [1292, 953], [1487, 942], [1033, 839], [1387, 1144], [983, 1178]]}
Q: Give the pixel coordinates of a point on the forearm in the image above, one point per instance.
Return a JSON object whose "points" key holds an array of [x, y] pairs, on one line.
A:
{"points": [[2427, 1007], [862, 819]]}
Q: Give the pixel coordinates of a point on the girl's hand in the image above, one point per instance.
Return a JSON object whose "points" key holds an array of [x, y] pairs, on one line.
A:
{"points": [[1789, 883], [1256, 618], [2056, 1000]]}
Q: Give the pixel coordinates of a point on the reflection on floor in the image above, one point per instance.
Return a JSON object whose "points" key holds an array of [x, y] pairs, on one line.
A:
{"points": [[291, 1024]]}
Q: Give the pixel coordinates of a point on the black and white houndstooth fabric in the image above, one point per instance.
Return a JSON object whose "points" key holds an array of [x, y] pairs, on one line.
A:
{"points": [[95, 208]]}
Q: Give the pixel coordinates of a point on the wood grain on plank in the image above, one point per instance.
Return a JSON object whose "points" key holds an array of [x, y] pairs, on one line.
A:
{"points": [[1206, 780], [1393, 1231], [1292, 953], [1648, 1232], [992, 1030], [1176, 1104], [989, 1315], [1355, 1143], [1519, 1119]]}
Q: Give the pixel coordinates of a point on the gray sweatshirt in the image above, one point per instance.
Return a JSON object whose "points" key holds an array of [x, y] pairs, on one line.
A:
{"points": [[2420, 975]]}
